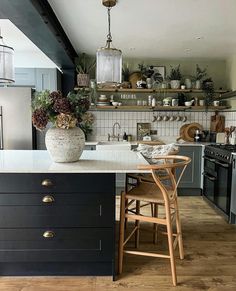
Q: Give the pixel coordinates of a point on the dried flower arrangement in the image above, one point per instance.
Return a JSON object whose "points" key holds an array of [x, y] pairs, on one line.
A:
{"points": [[63, 112]]}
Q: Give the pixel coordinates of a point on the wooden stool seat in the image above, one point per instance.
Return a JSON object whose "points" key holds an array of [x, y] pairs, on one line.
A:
{"points": [[147, 192]]}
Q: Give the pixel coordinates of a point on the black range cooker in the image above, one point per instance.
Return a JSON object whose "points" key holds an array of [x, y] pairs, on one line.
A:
{"points": [[217, 175]]}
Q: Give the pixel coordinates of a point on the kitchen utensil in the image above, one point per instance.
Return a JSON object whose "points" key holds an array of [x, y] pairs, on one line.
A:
{"points": [[217, 123]]}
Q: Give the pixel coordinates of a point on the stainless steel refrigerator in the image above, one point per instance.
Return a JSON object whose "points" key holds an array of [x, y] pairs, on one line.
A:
{"points": [[16, 130]]}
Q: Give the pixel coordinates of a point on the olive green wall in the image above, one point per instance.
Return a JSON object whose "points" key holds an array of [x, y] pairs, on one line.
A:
{"points": [[215, 68], [231, 78]]}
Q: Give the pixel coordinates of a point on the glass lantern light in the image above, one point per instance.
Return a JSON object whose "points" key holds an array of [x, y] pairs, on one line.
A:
{"points": [[6, 62], [108, 59]]}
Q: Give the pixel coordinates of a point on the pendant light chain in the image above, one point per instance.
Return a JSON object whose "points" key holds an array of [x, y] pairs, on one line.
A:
{"points": [[109, 37]]}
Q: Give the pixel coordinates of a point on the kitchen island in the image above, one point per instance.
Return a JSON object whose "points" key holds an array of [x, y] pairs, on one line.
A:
{"points": [[59, 218]]}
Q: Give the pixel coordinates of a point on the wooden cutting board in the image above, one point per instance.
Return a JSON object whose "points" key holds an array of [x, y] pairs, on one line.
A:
{"points": [[182, 132], [217, 123]]}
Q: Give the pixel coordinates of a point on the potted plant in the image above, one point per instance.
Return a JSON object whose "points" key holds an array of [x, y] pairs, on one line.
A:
{"points": [[125, 75], [65, 139], [175, 77], [209, 91], [83, 68], [149, 75], [200, 74]]}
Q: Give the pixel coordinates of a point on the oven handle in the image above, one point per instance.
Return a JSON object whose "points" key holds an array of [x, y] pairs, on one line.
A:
{"points": [[222, 165], [209, 177], [208, 159]]}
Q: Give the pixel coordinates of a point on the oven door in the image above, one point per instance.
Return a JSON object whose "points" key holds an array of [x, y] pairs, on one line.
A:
{"points": [[209, 186], [223, 186]]}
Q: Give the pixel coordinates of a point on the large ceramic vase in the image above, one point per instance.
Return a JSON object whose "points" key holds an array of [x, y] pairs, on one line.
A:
{"points": [[65, 145]]}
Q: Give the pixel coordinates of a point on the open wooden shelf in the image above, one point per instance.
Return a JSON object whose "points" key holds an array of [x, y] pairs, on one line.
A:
{"points": [[138, 90], [159, 108]]}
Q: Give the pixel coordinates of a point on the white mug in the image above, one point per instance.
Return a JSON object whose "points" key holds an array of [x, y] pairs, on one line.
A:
{"points": [[201, 102], [216, 103]]}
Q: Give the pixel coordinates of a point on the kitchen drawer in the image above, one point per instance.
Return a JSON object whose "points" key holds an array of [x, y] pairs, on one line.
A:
{"points": [[55, 199], [58, 183], [81, 215], [67, 245]]}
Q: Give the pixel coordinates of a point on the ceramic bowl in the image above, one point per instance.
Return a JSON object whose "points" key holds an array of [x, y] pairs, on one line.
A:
{"points": [[188, 103], [115, 103]]}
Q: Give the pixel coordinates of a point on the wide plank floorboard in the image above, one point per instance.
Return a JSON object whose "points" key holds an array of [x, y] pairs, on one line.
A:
{"points": [[209, 264]]}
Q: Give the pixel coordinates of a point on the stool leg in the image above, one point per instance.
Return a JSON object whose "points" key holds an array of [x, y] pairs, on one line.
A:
{"points": [[179, 232], [155, 225], [171, 247], [137, 224], [121, 237]]}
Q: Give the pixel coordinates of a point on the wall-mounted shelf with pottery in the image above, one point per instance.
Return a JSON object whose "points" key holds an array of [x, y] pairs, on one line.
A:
{"points": [[159, 108], [156, 90]]}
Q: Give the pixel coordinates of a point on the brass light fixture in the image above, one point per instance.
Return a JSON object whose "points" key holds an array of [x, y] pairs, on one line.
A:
{"points": [[109, 59], [6, 62]]}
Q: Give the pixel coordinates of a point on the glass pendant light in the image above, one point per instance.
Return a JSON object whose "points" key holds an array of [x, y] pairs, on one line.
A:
{"points": [[6, 62], [108, 59]]}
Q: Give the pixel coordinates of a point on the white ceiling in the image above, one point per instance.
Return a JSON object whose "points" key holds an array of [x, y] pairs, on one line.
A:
{"points": [[27, 54], [152, 28]]}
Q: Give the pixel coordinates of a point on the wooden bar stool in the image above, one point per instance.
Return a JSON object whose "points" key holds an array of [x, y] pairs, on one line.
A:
{"points": [[159, 193]]}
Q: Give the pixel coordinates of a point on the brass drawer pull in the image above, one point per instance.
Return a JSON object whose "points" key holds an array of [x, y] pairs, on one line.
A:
{"points": [[47, 183], [48, 199], [48, 234]]}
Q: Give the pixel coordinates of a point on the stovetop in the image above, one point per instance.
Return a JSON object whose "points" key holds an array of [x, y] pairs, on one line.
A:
{"points": [[221, 152]]}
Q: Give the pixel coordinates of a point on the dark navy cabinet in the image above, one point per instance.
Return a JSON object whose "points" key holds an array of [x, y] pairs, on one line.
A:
{"points": [[57, 224]]}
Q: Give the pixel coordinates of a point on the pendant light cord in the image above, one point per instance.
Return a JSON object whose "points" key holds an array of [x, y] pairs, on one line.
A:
{"points": [[109, 37]]}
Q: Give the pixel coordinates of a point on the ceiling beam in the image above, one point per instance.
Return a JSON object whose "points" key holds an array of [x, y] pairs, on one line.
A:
{"points": [[37, 20]]}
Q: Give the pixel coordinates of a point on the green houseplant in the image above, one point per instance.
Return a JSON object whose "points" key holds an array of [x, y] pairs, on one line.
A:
{"points": [[175, 77], [209, 91], [84, 67], [65, 139], [150, 75], [200, 74]]}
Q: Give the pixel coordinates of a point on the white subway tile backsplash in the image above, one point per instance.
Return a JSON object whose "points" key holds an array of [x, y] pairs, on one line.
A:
{"points": [[169, 129]]}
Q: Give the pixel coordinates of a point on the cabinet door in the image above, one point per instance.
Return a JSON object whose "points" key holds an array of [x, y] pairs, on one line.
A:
{"points": [[46, 79], [25, 77], [192, 175]]}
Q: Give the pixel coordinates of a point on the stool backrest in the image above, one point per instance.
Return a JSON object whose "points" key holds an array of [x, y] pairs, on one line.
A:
{"points": [[169, 164]]}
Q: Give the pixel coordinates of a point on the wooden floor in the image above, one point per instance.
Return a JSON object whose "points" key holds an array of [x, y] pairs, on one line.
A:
{"points": [[210, 261]]}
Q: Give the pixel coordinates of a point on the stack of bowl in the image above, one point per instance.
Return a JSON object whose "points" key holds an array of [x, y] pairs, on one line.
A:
{"points": [[103, 101]]}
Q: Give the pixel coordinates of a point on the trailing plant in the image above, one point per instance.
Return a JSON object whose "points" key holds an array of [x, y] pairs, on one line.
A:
{"points": [[125, 73], [209, 91], [150, 72], [85, 64], [175, 73], [200, 73]]}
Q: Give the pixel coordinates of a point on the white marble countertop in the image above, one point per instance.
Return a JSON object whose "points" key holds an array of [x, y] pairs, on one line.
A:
{"points": [[185, 143], [27, 161]]}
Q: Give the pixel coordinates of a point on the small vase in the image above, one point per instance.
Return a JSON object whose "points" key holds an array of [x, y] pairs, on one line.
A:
{"points": [[198, 84], [65, 145], [188, 83], [175, 84]]}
